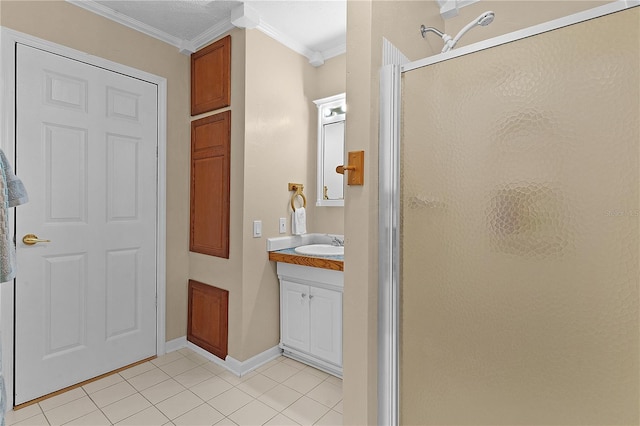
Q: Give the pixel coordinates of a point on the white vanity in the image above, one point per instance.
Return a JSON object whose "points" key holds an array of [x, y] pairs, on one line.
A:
{"points": [[311, 290], [311, 315]]}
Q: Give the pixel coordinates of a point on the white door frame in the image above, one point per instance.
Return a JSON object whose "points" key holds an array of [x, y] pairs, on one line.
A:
{"points": [[389, 198], [8, 39]]}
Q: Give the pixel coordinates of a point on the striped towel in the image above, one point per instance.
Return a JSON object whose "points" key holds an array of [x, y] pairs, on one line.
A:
{"points": [[12, 193]]}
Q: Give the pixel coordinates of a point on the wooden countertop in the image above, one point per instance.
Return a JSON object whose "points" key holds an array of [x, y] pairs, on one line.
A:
{"points": [[288, 256]]}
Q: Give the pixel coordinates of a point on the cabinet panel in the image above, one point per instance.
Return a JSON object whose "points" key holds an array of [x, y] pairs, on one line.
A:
{"points": [[210, 185], [294, 309], [207, 324], [211, 77], [311, 316], [325, 322]]}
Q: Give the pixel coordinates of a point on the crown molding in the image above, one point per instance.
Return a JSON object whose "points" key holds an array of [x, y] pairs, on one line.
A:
{"points": [[134, 24], [206, 37], [315, 58], [245, 16], [284, 39], [334, 51], [210, 35]]}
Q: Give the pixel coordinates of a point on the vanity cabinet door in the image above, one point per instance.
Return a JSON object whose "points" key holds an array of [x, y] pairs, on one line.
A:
{"points": [[294, 308], [325, 313]]}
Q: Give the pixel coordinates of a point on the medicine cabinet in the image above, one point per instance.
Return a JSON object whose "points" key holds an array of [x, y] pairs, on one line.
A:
{"points": [[331, 131]]}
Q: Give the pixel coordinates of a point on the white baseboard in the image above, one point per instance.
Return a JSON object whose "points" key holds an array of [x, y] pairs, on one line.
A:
{"points": [[244, 367], [175, 344], [239, 368]]}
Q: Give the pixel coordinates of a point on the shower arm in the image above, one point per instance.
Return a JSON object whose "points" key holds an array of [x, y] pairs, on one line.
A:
{"points": [[445, 37], [424, 30]]}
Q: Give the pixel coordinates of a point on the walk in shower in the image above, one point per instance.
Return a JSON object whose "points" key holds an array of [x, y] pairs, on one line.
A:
{"points": [[516, 234]]}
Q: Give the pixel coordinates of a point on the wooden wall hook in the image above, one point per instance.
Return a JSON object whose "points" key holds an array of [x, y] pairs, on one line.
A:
{"points": [[355, 168]]}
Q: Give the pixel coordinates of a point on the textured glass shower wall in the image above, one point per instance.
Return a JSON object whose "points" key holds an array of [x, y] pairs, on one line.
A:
{"points": [[520, 232]]}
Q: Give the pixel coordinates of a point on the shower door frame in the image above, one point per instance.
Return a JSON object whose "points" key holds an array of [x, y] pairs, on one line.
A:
{"points": [[389, 194]]}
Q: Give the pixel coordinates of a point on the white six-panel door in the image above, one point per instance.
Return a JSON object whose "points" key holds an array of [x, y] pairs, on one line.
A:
{"points": [[86, 147]]}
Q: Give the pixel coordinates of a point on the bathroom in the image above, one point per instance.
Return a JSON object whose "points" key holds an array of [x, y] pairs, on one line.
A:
{"points": [[266, 156]]}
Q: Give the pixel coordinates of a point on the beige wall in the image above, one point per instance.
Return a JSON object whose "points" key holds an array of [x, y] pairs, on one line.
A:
{"points": [[273, 143], [398, 21], [71, 26], [276, 126]]}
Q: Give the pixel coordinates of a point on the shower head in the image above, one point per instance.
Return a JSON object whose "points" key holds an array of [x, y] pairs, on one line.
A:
{"points": [[485, 19], [482, 21], [449, 43]]}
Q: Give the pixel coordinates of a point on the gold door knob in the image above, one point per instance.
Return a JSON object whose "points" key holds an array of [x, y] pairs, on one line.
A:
{"points": [[31, 239]]}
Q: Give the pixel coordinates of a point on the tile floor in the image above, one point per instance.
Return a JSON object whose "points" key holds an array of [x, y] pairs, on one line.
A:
{"points": [[183, 388]]}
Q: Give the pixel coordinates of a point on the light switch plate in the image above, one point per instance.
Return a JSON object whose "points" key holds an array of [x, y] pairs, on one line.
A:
{"points": [[257, 228], [283, 225]]}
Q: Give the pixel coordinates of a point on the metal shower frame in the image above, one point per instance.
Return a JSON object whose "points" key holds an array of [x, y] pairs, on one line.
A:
{"points": [[389, 195]]}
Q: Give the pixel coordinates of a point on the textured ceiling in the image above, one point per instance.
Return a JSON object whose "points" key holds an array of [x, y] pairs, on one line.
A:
{"points": [[182, 19], [313, 28]]}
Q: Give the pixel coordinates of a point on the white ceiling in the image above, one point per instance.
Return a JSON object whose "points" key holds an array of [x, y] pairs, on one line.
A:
{"points": [[313, 28]]}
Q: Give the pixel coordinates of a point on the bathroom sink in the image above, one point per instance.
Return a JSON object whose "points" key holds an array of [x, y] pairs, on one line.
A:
{"points": [[320, 250]]}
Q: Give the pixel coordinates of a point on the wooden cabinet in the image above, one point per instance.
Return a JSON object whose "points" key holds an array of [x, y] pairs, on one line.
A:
{"points": [[207, 324], [211, 77], [311, 316], [210, 185], [211, 150]]}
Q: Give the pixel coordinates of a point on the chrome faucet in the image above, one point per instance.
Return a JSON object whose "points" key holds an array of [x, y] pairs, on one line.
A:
{"points": [[335, 241]]}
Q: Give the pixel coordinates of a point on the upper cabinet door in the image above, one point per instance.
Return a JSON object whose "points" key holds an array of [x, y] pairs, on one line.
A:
{"points": [[211, 77], [210, 184]]}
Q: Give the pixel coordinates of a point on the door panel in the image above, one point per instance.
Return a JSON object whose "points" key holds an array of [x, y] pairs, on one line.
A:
{"points": [[520, 234], [295, 312], [86, 150], [65, 173], [122, 173], [325, 309], [65, 304], [123, 289]]}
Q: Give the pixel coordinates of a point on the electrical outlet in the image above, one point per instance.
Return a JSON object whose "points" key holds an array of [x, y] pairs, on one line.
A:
{"points": [[257, 228], [283, 225]]}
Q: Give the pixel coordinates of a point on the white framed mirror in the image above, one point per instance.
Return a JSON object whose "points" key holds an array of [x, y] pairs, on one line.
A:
{"points": [[331, 131]]}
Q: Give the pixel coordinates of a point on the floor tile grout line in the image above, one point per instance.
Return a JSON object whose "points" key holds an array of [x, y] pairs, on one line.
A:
{"points": [[139, 393], [201, 362], [44, 413]]}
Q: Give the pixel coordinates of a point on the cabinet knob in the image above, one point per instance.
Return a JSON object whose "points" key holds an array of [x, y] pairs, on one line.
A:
{"points": [[304, 295], [311, 296]]}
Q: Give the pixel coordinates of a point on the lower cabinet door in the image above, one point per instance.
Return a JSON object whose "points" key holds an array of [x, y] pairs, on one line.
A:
{"points": [[325, 322], [294, 308]]}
